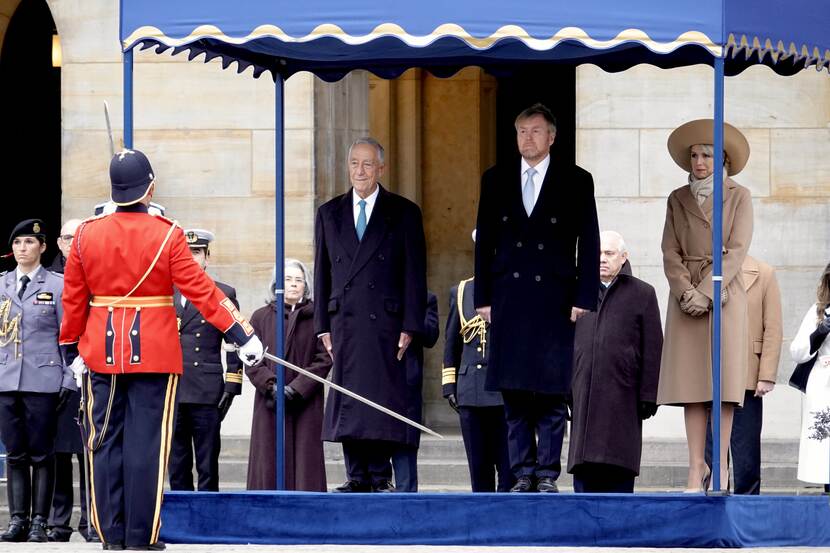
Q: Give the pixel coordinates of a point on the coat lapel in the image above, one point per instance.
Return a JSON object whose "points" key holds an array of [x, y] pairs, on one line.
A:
{"points": [[344, 223], [545, 193], [376, 231], [751, 272], [689, 203]]}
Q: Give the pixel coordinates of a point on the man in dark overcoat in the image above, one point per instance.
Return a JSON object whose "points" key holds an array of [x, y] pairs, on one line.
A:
{"points": [[370, 285], [616, 369], [203, 396], [537, 238]]}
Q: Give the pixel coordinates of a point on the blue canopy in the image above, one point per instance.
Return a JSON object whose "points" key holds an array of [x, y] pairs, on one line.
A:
{"points": [[331, 37]]}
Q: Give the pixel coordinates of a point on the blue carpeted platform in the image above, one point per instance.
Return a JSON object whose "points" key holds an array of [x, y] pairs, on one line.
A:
{"points": [[647, 520]]}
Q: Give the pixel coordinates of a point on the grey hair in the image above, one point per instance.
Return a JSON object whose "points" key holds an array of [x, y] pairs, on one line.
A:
{"points": [[307, 278], [617, 236], [371, 142]]}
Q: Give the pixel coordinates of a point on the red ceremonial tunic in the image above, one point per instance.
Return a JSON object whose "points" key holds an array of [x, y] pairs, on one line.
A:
{"points": [[138, 334]]}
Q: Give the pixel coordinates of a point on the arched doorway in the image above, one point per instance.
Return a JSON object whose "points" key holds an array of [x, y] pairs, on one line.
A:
{"points": [[30, 108]]}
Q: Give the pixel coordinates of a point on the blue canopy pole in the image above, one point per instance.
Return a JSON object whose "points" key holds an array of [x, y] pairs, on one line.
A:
{"points": [[279, 212], [128, 98], [717, 274]]}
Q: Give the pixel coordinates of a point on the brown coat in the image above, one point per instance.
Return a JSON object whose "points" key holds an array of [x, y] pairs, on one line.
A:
{"points": [[304, 462], [764, 317], [686, 366]]}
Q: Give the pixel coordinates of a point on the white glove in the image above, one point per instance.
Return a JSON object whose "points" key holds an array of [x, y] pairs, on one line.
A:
{"points": [[251, 352], [78, 370]]}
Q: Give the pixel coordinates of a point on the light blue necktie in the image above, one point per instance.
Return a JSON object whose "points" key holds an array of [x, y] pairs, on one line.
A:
{"points": [[528, 191], [360, 227]]}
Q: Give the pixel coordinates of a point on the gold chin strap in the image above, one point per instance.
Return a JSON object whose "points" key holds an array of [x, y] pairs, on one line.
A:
{"points": [[9, 329], [475, 327]]}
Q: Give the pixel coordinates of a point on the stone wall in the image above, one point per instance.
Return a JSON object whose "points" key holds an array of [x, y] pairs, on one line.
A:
{"points": [[623, 122]]}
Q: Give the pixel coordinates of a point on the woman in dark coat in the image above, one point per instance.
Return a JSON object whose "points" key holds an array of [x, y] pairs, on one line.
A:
{"points": [[304, 463]]}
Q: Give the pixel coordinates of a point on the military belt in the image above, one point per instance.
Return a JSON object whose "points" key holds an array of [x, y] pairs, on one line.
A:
{"points": [[132, 301]]}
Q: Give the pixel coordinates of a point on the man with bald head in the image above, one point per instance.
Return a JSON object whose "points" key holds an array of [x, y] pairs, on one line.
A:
{"points": [[616, 368], [64, 244]]}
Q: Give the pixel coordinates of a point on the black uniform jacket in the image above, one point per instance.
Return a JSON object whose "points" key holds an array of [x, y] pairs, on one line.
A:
{"points": [[366, 293], [466, 346], [202, 380], [532, 271]]}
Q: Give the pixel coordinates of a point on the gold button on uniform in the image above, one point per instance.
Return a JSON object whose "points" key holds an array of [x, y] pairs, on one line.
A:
{"points": [[109, 359], [109, 333], [135, 357], [478, 348], [478, 366], [197, 349], [203, 321], [135, 333], [198, 334], [195, 363]]}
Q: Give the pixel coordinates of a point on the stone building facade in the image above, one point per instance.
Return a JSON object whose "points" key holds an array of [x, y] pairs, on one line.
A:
{"points": [[210, 136]]}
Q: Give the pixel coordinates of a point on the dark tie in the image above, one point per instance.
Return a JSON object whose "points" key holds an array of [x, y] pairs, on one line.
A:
{"points": [[24, 282]]}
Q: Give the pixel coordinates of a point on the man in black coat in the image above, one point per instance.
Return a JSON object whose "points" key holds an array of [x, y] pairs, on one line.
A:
{"points": [[203, 396], [68, 437], [463, 376], [616, 369], [370, 285], [405, 458], [538, 240]]}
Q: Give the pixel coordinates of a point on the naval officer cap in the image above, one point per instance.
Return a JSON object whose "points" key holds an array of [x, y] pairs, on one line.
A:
{"points": [[29, 227], [131, 176], [198, 238]]}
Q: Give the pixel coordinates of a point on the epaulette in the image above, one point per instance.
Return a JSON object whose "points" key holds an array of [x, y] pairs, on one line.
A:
{"points": [[96, 217], [55, 273], [168, 221]]}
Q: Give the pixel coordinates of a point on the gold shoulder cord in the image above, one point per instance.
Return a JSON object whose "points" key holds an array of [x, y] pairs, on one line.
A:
{"points": [[9, 329], [473, 327]]}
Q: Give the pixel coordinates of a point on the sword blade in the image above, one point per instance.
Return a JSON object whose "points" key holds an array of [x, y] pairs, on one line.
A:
{"points": [[351, 394], [109, 128]]}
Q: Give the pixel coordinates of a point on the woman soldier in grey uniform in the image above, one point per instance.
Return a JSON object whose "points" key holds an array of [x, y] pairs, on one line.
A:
{"points": [[33, 381]]}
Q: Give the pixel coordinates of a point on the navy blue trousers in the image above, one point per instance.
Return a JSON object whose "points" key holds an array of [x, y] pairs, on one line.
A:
{"points": [[744, 446], [28, 422], [197, 433], [368, 461], [485, 439], [405, 465], [63, 502], [130, 438], [528, 415]]}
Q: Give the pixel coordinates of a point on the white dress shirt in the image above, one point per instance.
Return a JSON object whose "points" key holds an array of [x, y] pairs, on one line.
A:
{"points": [[538, 178], [20, 275], [370, 204]]}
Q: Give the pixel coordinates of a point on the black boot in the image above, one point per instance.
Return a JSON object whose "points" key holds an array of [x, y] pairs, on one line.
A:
{"points": [[19, 491], [43, 487]]}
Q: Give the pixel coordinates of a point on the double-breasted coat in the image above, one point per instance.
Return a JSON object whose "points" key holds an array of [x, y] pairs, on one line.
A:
{"points": [[305, 468], [552, 257], [616, 366], [415, 367], [202, 382], [366, 293], [686, 366], [765, 325]]}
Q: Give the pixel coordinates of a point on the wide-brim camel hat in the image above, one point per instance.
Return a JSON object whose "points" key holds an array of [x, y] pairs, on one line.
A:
{"points": [[702, 131]]}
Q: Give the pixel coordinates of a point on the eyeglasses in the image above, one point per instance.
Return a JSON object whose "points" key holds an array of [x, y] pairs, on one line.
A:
{"points": [[67, 237]]}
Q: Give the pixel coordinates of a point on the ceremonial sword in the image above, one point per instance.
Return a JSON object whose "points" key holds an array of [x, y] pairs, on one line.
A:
{"points": [[349, 393]]}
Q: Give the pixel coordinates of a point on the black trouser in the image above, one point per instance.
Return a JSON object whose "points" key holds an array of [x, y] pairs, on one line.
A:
{"points": [[27, 427], [367, 461], [528, 415], [130, 442], [405, 464], [63, 502], [197, 431], [744, 445], [485, 439], [602, 478]]}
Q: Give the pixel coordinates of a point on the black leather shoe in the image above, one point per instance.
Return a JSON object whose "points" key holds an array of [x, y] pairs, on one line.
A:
{"points": [[546, 484], [523, 485], [353, 486], [37, 530], [59, 534], [113, 546], [158, 546], [18, 530], [91, 536], [384, 486]]}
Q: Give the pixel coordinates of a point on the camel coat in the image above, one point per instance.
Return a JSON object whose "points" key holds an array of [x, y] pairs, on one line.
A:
{"points": [[764, 317], [686, 365]]}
